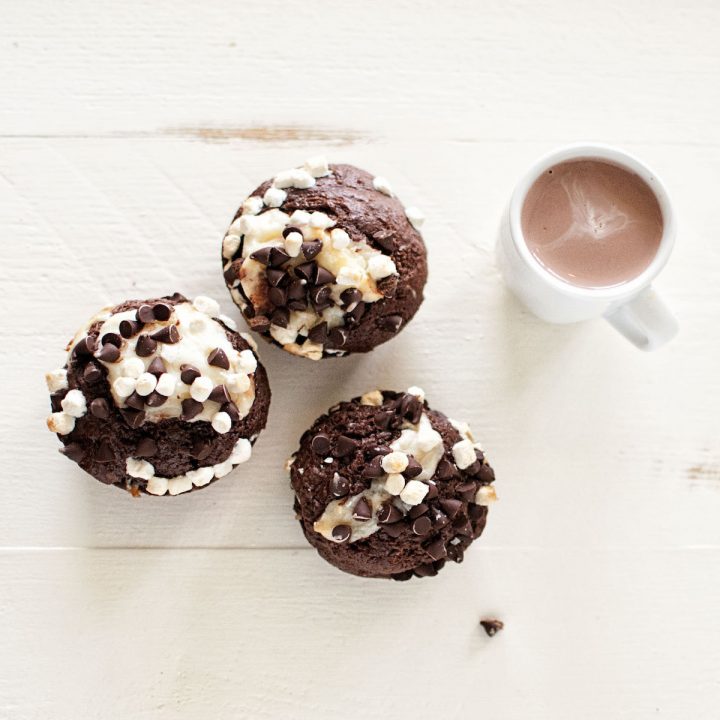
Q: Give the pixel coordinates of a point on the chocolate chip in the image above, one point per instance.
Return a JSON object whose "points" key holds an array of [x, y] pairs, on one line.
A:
{"points": [[104, 453], [455, 553], [108, 353], [486, 474], [466, 491], [311, 249], [100, 408], [74, 451], [307, 271], [426, 570], [436, 549], [389, 514], [248, 311], [218, 358], [318, 334], [394, 530], [362, 510], [320, 444], [130, 328], [135, 400], [157, 367], [274, 276], [278, 257], [232, 410], [92, 372], [219, 394], [339, 486], [350, 296], [413, 469], [146, 447], [200, 449], [290, 229], [382, 418], [344, 446], [280, 317], [462, 526], [432, 491], [492, 627], [355, 315], [417, 510], [391, 323], [422, 526], [85, 347], [145, 346], [411, 408], [297, 290], [162, 312], [341, 533], [324, 277], [169, 335], [445, 470], [277, 296], [262, 255], [337, 337], [374, 468], [320, 296], [439, 518], [230, 275], [189, 373], [260, 323], [111, 339], [190, 408], [155, 399], [145, 314], [379, 450], [451, 506], [384, 239]]}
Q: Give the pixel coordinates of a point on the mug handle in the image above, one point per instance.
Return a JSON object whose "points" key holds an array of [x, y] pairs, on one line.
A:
{"points": [[645, 320]]}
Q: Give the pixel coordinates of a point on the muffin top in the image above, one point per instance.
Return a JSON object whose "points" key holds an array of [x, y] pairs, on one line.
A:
{"points": [[324, 260], [158, 395], [387, 487]]}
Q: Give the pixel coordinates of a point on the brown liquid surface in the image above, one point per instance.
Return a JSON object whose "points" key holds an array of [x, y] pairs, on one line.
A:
{"points": [[591, 223]]}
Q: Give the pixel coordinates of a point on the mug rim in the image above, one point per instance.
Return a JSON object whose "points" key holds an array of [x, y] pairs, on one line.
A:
{"points": [[625, 160]]}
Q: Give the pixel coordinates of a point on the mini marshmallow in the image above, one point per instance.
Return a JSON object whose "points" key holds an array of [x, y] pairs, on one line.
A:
{"points": [[350, 276], [157, 485], [241, 452], [221, 422], [231, 244], [317, 166], [137, 468], [179, 484], [300, 217], [380, 266], [320, 220], [415, 216], [197, 326], [414, 492], [237, 383], [166, 384], [124, 386], [248, 362], [372, 398], [382, 185], [200, 477], [146, 383], [395, 483], [252, 205], [418, 392], [56, 380], [302, 179], [274, 197], [395, 462], [464, 454], [340, 239], [133, 367], [485, 495], [201, 388], [222, 469], [227, 321], [285, 336], [284, 179], [61, 423], [206, 305], [293, 243], [74, 403]]}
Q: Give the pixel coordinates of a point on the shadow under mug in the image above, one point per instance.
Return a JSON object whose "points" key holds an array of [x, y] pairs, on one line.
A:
{"points": [[633, 308]]}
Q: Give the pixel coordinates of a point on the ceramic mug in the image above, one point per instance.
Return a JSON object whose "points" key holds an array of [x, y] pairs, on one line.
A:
{"points": [[633, 308]]}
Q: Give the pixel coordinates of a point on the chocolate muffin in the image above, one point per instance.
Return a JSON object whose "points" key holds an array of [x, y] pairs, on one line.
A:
{"points": [[386, 487], [324, 260], [159, 396]]}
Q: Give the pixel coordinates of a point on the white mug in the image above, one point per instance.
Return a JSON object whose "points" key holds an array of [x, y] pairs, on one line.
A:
{"points": [[633, 308]]}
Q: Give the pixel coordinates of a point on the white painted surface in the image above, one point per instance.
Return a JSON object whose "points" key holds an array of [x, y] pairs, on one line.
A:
{"points": [[129, 133]]}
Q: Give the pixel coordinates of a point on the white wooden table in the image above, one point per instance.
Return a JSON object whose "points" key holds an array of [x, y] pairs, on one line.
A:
{"points": [[129, 132]]}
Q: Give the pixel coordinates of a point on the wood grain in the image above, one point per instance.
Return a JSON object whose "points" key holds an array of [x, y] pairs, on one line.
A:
{"points": [[130, 132]]}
